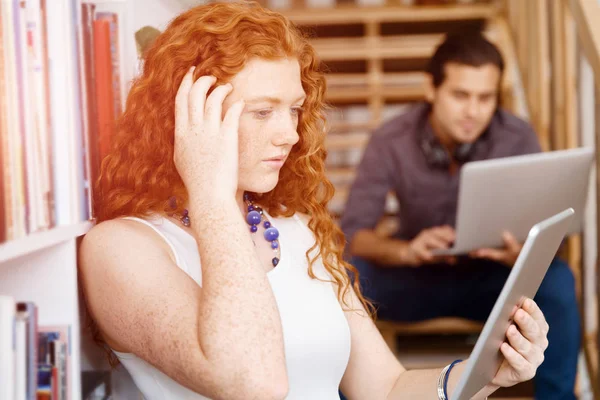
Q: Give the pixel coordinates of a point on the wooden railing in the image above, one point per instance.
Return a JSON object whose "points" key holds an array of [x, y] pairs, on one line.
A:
{"points": [[586, 14], [557, 44]]}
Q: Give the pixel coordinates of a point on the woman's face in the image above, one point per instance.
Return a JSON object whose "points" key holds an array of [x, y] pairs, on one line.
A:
{"points": [[273, 94]]}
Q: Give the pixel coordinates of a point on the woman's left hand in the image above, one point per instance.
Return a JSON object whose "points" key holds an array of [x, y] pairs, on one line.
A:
{"points": [[524, 350]]}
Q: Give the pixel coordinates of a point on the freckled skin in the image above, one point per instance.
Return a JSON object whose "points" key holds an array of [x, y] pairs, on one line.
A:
{"points": [[144, 304]]}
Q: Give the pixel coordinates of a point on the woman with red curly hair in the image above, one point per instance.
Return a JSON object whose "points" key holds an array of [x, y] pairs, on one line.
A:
{"points": [[215, 270]]}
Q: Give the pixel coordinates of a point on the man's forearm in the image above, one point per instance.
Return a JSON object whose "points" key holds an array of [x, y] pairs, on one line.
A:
{"points": [[422, 384], [384, 251]]}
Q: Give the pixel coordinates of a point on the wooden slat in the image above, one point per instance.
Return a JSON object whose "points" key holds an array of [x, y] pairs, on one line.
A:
{"points": [[350, 141], [338, 202], [397, 79], [572, 140], [419, 46], [571, 68], [404, 47], [538, 83], [521, 36], [345, 80], [509, 81], [386, 227], [341, 176], [343, 126], [512, 14], [398, 86], [403, 94], [595, 359], [347, 94], [529, 70], [559, 79], [352, 14], [369, 48], [587, 14], [543, 73], [591, 352], [387, 93], [564, 108], [375, 72], [564, 113], [433, 326]]}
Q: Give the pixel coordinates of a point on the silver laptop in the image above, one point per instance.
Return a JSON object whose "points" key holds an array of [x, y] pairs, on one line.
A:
{"points": [[524, 281], [513, 193]]}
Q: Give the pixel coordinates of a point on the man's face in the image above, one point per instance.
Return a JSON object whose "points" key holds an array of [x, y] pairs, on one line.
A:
{"points": [[464, 103]]}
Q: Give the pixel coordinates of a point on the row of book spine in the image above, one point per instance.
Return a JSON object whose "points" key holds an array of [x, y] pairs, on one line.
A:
{"points": [[34, 360], [60, 88]]}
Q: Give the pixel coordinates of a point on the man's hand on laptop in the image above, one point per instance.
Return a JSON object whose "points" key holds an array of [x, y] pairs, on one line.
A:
{"points": [[508, 255], [418, 251]]}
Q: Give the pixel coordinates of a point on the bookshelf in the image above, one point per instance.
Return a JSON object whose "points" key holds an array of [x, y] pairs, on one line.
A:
{"points": [[16, 249], [50, 136], [47, 276]]}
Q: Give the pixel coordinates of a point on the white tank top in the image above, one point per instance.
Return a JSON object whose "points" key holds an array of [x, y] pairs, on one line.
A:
{"points": [[315, 331]]}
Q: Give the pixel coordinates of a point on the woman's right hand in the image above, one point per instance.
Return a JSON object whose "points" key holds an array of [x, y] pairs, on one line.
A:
{"points": [[206, 147]]}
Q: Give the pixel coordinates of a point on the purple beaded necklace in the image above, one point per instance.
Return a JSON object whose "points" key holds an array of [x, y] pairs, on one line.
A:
{"points": [[254, 218]]}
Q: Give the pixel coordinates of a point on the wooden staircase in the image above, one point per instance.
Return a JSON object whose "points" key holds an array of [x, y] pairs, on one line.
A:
{"points": [[375, 58]]}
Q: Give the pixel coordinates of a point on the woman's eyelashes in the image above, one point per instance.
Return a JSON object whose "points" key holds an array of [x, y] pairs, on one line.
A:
{"points": [[297, 111], [263, 114], [268, 112]]}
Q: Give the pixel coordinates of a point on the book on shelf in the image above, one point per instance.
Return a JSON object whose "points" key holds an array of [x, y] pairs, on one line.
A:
{"points": [[59, 99], [27, 316], [34, 360], [3, 135], [105, 29], [53, 362], [7, 347]]}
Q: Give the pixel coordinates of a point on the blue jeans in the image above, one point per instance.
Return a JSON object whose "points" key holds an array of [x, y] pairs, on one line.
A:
{"points": [[469, 290]]}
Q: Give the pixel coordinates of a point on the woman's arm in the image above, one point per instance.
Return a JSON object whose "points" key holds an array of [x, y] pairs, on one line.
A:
{"points": [[423, 384], [223, 340], [374, 372]]}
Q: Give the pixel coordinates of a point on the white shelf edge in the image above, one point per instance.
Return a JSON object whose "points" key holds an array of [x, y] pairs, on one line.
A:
{"points": [[41, 240], [105, 1]]}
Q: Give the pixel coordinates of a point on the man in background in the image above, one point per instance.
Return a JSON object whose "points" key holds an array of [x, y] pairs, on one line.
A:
{"points": [[418, 155]]}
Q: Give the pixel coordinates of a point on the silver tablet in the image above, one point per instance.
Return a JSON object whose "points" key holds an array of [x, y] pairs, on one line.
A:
{"points": [[513, 193], [523, 282]]}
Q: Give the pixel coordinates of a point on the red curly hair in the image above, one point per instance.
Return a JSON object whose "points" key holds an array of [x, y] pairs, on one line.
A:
{"points": [[138, 176]]}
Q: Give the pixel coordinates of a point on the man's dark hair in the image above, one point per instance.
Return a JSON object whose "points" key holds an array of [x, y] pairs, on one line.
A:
{"points": [[467, 48]]}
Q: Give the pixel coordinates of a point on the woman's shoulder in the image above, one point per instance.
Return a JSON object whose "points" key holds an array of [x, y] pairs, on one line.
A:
{"points": [[118, 234], [120, 228]]}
